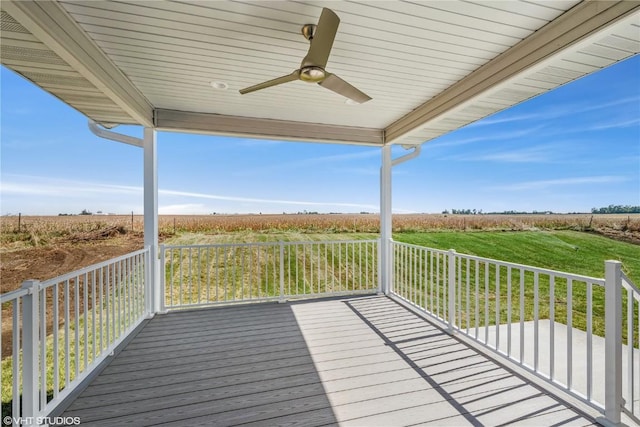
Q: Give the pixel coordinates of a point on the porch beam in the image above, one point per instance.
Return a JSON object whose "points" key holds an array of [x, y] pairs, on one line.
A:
{"points": [[151, 219], [53, 26], [219, 124], [584, 20]]}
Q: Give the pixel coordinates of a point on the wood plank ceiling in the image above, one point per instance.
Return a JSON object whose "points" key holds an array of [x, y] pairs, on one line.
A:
{"points": [[430, 66]]}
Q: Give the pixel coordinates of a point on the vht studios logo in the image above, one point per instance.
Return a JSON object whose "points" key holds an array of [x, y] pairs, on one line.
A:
{"points": [[40, 421]]}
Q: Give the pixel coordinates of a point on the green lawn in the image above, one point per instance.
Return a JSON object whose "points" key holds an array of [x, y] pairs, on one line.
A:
{"points": [[570, 251]]}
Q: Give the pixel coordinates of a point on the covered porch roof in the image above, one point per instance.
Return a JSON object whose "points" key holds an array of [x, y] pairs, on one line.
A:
{"points": [[430, 67]]}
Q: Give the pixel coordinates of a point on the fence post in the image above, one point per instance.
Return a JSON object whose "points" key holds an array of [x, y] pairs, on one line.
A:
{"points": [[30, 347], [281, 271], [613, 342], [451, 294]]}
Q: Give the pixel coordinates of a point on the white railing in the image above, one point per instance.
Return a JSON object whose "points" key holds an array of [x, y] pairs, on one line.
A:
{"points": [[62, 328], [549, 322], [631, 357], [199, 275]]}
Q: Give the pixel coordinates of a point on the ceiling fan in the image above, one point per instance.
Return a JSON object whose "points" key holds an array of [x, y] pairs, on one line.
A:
{"points": [[312, 68]]}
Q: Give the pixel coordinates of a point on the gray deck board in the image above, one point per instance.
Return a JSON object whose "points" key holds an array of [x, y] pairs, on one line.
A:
{"points": [[361, 361]]}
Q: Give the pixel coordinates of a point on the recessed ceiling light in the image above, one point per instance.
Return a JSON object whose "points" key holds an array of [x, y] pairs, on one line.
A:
{"points": [[219, 85], [351, 102]]}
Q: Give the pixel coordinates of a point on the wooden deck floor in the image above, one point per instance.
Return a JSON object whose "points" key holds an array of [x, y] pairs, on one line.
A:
{"points": [[364, 361]]}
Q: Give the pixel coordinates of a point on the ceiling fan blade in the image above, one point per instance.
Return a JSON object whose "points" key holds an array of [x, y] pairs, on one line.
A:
{"points": [[284, 79], [339, 86], [322, 40]]}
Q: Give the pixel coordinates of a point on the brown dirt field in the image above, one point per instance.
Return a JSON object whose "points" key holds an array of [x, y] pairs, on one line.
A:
{"points": [[46, 262], [42, 263]]}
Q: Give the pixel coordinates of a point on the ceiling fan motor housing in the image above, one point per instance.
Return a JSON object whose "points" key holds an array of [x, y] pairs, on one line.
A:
{"points": [[312, 74]]}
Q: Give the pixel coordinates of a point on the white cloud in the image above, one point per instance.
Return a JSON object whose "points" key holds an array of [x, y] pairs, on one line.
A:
{"points": [[616, 123], [107, 195], [555, 112], [536, 154], [492, 136]]}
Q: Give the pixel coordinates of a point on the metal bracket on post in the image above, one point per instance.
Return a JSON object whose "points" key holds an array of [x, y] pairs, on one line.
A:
{"points": [[451, 273], [613, 344], [114, 136], [30, 347]]}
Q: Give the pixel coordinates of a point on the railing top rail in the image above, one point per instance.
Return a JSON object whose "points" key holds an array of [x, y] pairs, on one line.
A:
{"points": [[71, 275], [273, 243], [411, 245], [13, 295], [327, 242], [628, 284]]}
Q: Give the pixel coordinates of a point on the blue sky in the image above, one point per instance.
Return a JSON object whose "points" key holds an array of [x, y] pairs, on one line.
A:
{"points": [[570, 150]]}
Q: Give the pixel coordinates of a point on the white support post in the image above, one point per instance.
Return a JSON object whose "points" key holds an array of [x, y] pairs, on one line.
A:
{"points": [[451, 294], [386, 266], [30, 348], [613, 343], [151, 219]]}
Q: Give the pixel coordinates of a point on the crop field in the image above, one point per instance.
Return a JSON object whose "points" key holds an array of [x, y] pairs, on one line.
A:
{"points": [[37, 230]]}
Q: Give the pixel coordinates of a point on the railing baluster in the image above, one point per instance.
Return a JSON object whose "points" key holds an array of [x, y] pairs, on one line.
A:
{"points": [[509, 308], [85, 316], [16, 340], [42, 294], [437, 284], [55, 332], [431, 281], [552, 313], [536, 312], [164, 274], [477, 305], [67, 315], [522, 338], [569, 333], [208, 267], [497, 307], [589, 340], [468, 309], [180, 291], [102, 306], [486, 302], [459, 289], [630, 362], [76, 324], [93, 314]]}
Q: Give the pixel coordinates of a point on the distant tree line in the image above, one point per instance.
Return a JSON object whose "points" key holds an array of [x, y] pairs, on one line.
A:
{"points": [[611, 209], [616, 209], [463, 212]]}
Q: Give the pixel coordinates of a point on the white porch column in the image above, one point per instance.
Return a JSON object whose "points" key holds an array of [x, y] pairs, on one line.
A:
{"points": [[385, 221], [151, 218], [613, 343]]}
